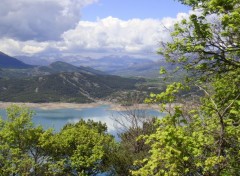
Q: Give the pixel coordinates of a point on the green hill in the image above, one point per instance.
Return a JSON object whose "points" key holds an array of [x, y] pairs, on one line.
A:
{"points": [[56, 67], [63, 87]]}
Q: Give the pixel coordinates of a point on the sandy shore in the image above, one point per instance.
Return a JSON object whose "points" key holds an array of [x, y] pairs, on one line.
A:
{"points": [[47, 106], [56, 105]]}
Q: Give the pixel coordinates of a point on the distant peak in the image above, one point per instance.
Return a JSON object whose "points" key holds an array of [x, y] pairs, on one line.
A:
{"points": [[60, 63], [1, 53], [7, 61]]}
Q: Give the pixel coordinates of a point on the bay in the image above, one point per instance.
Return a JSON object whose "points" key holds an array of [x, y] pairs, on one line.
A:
{"points": [[57, 118]]}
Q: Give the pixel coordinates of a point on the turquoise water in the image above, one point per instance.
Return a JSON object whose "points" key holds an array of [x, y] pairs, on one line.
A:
{"points": [[57, 118]]}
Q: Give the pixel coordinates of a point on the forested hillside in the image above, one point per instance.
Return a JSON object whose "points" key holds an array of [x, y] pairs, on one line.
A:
{"points": [[64, 87]]}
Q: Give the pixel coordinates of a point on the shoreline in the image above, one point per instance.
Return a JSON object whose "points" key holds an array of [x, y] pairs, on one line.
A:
{"points": [[61, 105]]}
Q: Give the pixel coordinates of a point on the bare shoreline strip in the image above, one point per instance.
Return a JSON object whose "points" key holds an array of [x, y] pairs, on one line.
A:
{"points": [[59, 105], [49, 106]]}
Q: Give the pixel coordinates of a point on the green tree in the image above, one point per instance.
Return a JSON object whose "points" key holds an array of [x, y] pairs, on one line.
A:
{"points": [[203, 140], [83, 148], [130, 124], [207, 42], [131, 148], [20, 145], [78, 149]]}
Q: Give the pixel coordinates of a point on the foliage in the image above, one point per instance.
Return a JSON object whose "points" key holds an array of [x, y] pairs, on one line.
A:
{"points": [[78, 149], [204, 139], [203, 142], [131, 148], [21, 148], [81, 148], [207, 42], [130, 125]]}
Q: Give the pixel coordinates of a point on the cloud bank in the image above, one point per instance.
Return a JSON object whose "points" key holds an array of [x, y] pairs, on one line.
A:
{"points": [[116, 35], [28, 27], [39, 20], [113, 34]]}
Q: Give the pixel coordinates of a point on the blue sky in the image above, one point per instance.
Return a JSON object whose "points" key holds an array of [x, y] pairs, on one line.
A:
{"points": [[87, 27], [128, 9]]}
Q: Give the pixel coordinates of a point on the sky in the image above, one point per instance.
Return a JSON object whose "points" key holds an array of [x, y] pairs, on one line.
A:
{"points": [[87, 27], [128, 9]]}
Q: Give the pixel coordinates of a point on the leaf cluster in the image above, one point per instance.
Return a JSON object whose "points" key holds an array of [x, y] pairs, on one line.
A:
{"points": [[201, 139], [78, 149]]}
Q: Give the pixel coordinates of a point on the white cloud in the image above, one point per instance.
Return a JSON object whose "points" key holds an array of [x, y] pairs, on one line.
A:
{"points": [[32, 49], [107, 35], [15, 47], [113, 34], [39, 20], [119, 36]]}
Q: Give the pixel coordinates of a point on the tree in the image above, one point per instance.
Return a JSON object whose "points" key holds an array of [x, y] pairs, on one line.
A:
{"points": [[130, 124], [131, 147], [78, 149], [207, 42], [20, 146], [83, 148], [205, 140]]}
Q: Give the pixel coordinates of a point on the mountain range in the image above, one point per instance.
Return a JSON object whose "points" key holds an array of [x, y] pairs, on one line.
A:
{"points": [[15, 71], [114, 65], [58, 81]]}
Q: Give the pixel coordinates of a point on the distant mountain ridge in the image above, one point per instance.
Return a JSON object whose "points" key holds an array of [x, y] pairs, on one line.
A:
{"points": [[55, 67], [59, 66], [115, 65], [11, 62]]}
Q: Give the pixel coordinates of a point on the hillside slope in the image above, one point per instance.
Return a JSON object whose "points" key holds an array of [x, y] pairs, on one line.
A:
{"points": [[10, 62], [63, 87], [56, 67]]}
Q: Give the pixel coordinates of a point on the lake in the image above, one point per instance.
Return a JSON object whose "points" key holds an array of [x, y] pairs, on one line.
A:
{"points": [[57, 118]]}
